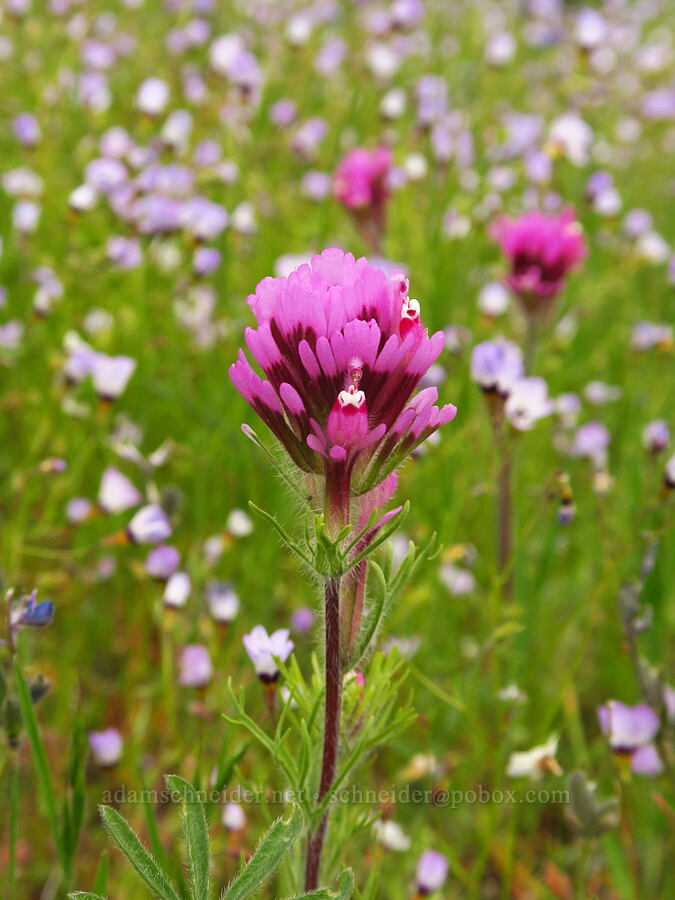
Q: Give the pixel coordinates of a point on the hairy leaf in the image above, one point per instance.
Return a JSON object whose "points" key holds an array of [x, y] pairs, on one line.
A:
{"points": [[196, 835], [276, 843], [145, 864]]}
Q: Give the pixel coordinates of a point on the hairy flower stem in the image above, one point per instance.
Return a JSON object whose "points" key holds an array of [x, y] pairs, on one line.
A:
{"points": [[331, 736]]}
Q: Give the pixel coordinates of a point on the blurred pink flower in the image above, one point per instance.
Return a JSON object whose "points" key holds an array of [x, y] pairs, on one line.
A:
{"points": [[360, 182], [541, 249]]}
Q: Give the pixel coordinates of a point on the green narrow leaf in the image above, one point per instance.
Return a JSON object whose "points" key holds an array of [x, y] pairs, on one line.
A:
{"points": [[269, 456], [77, 810], [77, 752], [146, 865], [196, 835], [281, 531], [39, 758], [100, 885], [275, 844], [344, 891], [66, 830]]}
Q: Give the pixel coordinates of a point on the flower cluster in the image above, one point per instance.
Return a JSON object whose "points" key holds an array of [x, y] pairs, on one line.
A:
{"points": [[541, 250], [360, 180], [343, 348]]}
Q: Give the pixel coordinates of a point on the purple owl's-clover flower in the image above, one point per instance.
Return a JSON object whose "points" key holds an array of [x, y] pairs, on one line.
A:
{"points": [[631, 731], [343, 348], [541, 249], [361, 183], [360, 178]]}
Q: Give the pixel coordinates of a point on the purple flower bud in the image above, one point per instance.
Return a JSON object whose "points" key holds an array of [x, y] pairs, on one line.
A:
{"points": [[116, 493], [125, 252], [105, 174], [111, 374], [106, 746], [78, 509], [150, 525], [27, 129], [196, 668], [206, 260], [283, 112], [234, 817], [177, 590], [592, 440], [222, 601], [432, 870], [302, 620], [656, 435], [152, 96], [161, 562]]}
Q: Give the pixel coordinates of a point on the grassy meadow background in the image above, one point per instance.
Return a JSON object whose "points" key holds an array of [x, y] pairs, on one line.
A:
{"points": [[559, 637]]}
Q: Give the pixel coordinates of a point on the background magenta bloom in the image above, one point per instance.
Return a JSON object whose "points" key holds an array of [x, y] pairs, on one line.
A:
{"points": [[541, 249], [360, 180]]}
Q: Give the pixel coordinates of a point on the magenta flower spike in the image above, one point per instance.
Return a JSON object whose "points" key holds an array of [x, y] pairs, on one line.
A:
{"points": [[541, 250], [361, 184], [342, 348]]}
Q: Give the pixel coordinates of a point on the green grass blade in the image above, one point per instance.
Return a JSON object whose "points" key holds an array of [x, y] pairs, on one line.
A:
{"points": [[196, 835], [39, 759], [100, 885], [146, 865]]}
